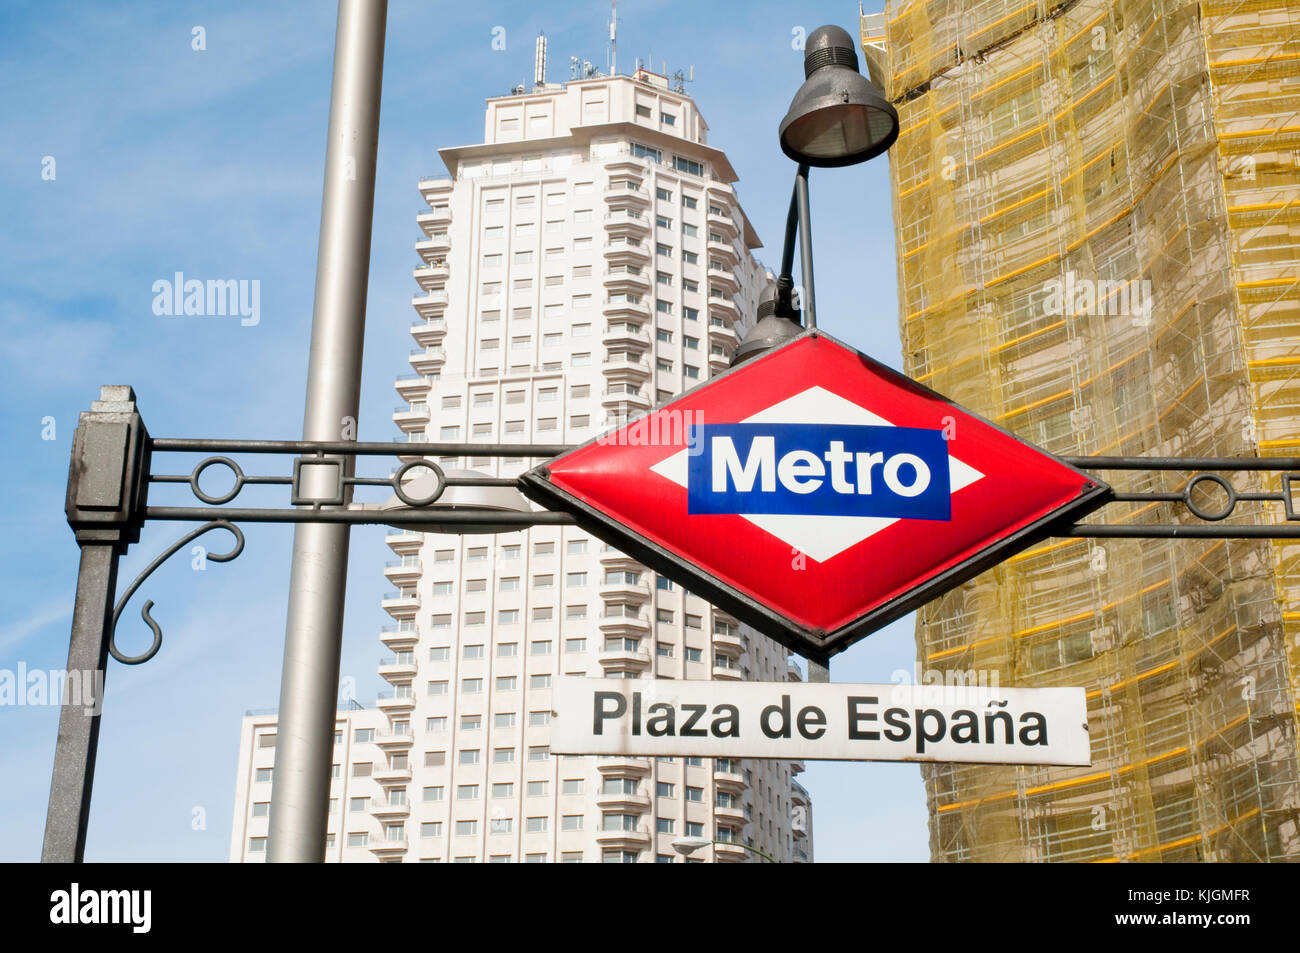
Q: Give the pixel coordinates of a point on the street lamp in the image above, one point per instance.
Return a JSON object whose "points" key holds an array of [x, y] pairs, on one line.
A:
{"points": [[689, 845], [837, 118]]}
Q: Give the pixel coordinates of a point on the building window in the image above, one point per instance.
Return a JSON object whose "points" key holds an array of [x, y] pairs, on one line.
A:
{"points": [[507, 683], [507, 650], [536, 825], [504, 789], [466, 829], [436, 793]]}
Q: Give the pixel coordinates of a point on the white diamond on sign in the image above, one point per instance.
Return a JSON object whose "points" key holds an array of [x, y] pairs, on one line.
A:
{"points": [[819, 537]]}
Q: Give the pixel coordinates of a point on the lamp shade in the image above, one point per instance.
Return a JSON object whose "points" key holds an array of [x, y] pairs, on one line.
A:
{"points": [[838, 117]]}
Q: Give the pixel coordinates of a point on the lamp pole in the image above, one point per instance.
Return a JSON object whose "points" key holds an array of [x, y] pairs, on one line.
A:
{"points": [[318, 579]]}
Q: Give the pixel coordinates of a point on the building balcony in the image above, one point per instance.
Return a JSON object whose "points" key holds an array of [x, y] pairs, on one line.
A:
{"points": [[793, 673], [627, 402], [724, 251], [393, 741], [382, 809], [394, 636], [624, 590], [411, 418], [430, 305], [624, 624], [626, 162], [730, 853], [798, 794], [391, 668], [732, 781], [436, 246], [622, 250], [403, 569], [611, 558], [429, 277], [723, 278], [797, 767], [426, 218], [427, 360], [403, 541], [721, 189], [727, 673], [723, 223], [637, 839], [626, 282], [435, 185], [627, 222], [631, 335], [636, 310], [391, 701], [623, 801], [719, 363], [623, 367], [723, 334], [730, 643], [625, 194], [413, 385], [624, 660], [385, 773], [623, 766], [724, 308], [429, 331], [389, 848], [400, 603], [735, 812]]}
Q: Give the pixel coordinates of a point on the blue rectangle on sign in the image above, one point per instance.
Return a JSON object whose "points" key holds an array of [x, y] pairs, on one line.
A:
{"points": [[819, 469]]}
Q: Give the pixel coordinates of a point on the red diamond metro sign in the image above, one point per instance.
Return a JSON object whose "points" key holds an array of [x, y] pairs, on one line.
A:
{"points": [[814, 493]]}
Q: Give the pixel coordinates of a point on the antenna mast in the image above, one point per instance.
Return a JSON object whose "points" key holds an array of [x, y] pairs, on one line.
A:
{"points": [[539, 62], [613, 38]]}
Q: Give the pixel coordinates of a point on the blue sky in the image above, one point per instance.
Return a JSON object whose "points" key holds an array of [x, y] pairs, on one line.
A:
{"points": [[209, 162]]}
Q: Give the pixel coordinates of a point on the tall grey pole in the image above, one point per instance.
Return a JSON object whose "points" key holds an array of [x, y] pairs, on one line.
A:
{"points": [[314, 630]]}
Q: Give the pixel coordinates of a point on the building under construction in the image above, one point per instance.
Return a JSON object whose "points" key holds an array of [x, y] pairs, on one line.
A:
{"points": [[1098, 216]]}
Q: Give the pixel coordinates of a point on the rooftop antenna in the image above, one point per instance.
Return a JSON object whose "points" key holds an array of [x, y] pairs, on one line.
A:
{"points": [[613, 38], [575, 67], [539, 62], [680, 80]]}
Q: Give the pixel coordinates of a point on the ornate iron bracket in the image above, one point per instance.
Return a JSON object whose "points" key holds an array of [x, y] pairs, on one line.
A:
{"points": [[139, 580], [1210, 469]]}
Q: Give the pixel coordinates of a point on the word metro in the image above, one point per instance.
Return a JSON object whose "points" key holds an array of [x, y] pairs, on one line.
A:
{"points": [[827, 469]]}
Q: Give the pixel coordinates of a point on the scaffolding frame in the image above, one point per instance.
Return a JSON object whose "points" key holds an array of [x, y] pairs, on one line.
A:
{"points": [[1131, 151]]}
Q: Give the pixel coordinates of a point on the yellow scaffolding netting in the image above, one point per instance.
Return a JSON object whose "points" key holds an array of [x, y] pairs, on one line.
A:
{"points": [[1098, 216]]}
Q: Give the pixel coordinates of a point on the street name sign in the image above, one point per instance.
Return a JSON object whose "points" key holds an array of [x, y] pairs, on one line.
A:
{"points": [[814, 493], [824, 721]]}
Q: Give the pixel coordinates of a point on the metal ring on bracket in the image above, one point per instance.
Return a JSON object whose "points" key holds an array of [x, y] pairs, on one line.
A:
{"points": [[139, 580], [420, 501], [1208, 516], [217, 500]]}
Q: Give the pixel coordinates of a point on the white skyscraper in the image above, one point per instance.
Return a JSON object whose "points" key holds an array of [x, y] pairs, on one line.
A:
{"points": [[587, 261]]}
